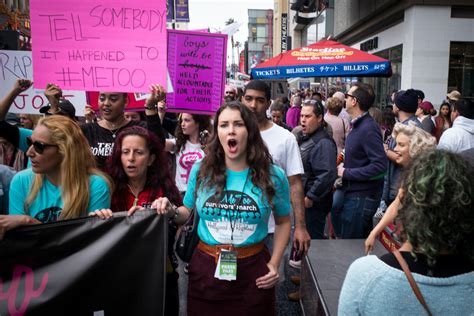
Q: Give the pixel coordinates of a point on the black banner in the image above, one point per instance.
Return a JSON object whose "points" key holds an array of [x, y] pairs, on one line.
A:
{"points": [[86, 266]]}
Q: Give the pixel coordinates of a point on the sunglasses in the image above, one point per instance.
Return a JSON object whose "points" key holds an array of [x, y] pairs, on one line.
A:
{"points": [[349, 95], [38, 146]]}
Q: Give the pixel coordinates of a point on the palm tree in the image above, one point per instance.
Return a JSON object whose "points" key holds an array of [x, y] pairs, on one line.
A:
{"points": [[238, 45]]}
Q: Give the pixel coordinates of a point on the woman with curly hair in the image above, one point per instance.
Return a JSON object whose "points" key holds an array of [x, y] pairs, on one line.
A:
{"points": [[234, 190], [437, 223], [411, 141], [191, 137], [141, 174]]}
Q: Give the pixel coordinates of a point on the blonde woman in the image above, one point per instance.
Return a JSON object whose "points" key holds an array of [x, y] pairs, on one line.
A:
{"points": [[63, 182], [411, 141], [29, 121]]}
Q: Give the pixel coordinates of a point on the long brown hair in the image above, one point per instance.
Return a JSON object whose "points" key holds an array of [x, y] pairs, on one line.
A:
{"points": [[212, 172], [204, 123]]}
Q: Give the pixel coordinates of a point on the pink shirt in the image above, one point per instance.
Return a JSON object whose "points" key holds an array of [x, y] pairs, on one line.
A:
{"points": [[340, 129]]}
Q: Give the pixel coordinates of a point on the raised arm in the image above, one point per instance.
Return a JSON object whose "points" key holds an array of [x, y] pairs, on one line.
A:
{"points": [[388, 217], [153, 121], [19, 86], [53, 93]]}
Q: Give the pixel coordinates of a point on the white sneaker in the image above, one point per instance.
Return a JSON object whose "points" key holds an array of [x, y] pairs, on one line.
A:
{"points": [[295, 258], [295, 264]]}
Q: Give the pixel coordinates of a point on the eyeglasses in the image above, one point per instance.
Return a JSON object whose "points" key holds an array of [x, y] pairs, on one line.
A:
{"points": [[349, 95], [230, 92], [38, 146]]}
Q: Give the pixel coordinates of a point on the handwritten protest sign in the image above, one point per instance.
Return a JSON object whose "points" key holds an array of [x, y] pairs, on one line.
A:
{"points": [[99, 45], [18, 65], [196, 63]]}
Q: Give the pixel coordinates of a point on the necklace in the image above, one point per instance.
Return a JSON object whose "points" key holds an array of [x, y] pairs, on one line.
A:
{"points": [[135, 194], [114, 128]]}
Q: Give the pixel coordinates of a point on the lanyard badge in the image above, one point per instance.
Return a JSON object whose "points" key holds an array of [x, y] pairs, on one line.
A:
{"points": [[226, 265]]}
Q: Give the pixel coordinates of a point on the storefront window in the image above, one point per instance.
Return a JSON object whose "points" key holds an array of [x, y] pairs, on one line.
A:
{"points": [[384, 86], [461, 68]]}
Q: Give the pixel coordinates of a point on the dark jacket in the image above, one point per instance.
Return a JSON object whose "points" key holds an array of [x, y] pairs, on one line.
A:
{"points": [[392, 183], [319, 154], [365, 161]]}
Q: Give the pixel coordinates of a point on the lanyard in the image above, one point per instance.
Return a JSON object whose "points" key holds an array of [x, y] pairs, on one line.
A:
{"points": [[236, 207]]}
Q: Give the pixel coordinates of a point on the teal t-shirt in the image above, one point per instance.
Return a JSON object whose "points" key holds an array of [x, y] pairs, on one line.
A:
{"points": [[22, 145], [24, 133], [48, 204], [242, 206]]}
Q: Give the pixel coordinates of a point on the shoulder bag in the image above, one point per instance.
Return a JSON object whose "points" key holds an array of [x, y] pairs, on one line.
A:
{"points": [[411, 280], [188, 238]]}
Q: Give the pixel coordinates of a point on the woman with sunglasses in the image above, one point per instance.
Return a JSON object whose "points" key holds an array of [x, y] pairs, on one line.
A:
{"points": [[234, 189], [63, 182]]}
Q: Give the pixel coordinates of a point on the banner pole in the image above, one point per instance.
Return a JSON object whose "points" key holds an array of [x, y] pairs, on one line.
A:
{"points": [[174, 15]]}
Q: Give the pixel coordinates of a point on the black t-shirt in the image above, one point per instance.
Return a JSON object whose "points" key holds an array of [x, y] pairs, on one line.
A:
{"points": [[102, 140], [446, 265]]}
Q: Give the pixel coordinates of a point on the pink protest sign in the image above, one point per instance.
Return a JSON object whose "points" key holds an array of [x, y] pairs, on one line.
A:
{"points": [[99, 45], [196, 64]]}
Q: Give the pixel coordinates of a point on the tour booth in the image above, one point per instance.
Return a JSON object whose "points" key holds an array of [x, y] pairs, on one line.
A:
{"points": [[325, 58]]}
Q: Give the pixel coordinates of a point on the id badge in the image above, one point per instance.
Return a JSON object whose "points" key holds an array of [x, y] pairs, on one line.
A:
{"points": [[226, 265]]}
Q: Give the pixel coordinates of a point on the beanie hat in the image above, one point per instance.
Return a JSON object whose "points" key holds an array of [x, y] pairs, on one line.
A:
{"points": [[420, 94], [407, 101]]}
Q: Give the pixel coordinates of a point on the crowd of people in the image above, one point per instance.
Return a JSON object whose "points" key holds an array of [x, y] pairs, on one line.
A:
{"points": [[259, 173]]}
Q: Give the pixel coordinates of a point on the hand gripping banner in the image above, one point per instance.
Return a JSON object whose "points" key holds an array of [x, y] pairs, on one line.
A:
{"points": [[86, 266]]}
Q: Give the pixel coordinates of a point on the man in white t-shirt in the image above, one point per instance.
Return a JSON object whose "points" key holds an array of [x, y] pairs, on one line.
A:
{"points": [[285, 153]]}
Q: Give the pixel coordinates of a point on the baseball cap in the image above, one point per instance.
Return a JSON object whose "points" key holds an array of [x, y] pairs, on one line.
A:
{"points": [[12, 119], [65, 108]]}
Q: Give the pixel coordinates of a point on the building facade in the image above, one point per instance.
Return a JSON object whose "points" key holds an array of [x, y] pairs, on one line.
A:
{"points": [[281, 21], [259, 45], [309, 21], [430, 43]]}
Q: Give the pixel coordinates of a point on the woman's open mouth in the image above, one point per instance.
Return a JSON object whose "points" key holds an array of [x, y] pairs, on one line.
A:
{"points": [[232, 144]]}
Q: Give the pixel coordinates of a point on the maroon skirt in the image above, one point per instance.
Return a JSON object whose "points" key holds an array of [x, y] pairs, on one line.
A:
{"points": [[210, 296]]}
